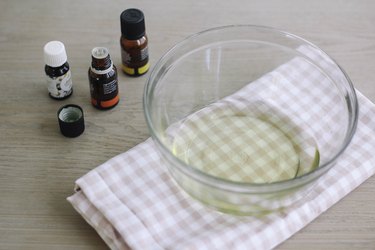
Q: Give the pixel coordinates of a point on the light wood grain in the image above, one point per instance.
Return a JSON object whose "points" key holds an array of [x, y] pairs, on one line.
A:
{"points": [[38, 166]]}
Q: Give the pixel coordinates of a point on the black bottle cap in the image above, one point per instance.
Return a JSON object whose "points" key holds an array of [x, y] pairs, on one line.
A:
{"points": [[132, 24], [71, 120]]}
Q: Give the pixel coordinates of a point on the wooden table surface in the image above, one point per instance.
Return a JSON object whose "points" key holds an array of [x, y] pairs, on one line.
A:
{"points": [[38, 166]]}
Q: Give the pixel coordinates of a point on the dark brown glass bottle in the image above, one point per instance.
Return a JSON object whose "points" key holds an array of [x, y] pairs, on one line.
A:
{"points": [[134, 43], [103, 80]]}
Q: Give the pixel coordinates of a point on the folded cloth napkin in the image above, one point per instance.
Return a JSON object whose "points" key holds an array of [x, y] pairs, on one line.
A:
{"points": [[132, 202]]}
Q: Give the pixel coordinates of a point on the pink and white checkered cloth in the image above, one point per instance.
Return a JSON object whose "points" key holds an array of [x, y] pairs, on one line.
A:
{"points": [[132, 202]]}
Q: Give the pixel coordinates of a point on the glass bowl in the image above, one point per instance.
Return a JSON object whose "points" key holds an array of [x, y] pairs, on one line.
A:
{"points": [[247, 118]]}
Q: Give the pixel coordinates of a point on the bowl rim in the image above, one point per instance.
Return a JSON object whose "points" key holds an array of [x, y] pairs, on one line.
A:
{"points": [[241, 187]]}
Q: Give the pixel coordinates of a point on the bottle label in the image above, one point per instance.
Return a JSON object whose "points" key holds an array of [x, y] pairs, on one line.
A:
{"points": [[143, 53], [135, 62], [125, 57], [104, 92], [129, 57], [61, 86], [110, 87]]}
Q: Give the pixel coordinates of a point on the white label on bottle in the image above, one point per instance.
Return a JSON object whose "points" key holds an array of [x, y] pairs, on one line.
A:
{"points": [[60, 86], [125, 57], [144, 53], [110, 87]]}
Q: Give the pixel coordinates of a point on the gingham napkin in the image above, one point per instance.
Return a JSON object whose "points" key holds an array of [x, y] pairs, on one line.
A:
{"points": [[132, 202]]}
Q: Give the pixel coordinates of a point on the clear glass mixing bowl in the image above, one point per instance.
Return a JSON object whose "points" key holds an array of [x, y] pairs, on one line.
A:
{"points": [[247, 118]]}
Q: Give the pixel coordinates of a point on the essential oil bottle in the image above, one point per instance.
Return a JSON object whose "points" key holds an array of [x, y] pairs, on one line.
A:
{"points": [[103, 80], [134, 43], [59, 77]]}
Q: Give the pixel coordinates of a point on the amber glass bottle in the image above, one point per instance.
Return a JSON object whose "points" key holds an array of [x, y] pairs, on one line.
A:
{"points": [[103, 80], [134, 43]]}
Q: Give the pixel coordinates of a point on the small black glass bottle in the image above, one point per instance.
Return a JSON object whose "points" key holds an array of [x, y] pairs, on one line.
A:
{"points": [[103, 80], [59, 77]]}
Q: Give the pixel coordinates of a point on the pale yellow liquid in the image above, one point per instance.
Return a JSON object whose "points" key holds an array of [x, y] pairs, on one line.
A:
{"points": [[245, 147]]}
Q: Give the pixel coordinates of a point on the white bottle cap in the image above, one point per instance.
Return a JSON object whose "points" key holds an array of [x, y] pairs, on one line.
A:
{"points": [[100, 52], [54, 54]]}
